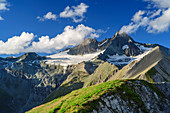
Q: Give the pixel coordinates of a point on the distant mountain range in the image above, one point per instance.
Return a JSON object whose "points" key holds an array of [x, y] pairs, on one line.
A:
{"points": [[117, 74]]}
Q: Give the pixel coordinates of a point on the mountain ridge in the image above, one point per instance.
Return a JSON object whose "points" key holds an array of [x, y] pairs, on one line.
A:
{"points": [[47, 78]]}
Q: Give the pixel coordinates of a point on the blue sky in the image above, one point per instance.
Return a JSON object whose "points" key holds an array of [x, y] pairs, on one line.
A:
{"points": [[46, 26]]}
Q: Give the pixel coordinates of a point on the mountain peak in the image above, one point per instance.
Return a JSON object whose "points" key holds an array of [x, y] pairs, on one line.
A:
{"points": [[122, 35], [89, 45], [31, 53], [88, 41], [30, 56]]}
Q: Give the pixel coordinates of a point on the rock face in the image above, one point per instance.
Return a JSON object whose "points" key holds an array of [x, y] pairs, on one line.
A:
{"points": [[87, 46], [144, 99]]}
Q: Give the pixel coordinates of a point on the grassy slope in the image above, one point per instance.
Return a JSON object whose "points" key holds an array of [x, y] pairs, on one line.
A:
{"points": [[86, 99]]}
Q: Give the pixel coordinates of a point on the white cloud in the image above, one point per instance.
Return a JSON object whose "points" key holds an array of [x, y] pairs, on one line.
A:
{"points": [[1, 18], [153, 21], [16, 44], [137, 21], [48, 16], [3, 5], [138, 16], [160, 24], [157, 13], [75, 12], [159, 3], [70, 37], [131, 28]]}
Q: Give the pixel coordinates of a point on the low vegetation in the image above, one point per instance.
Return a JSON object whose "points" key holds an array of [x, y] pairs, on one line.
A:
{"points": [[86, 99]]}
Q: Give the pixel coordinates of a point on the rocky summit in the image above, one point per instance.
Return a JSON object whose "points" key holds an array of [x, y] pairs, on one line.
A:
{"points": [[117, 74]]}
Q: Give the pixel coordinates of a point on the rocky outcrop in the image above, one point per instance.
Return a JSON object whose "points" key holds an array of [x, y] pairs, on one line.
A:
{"points": [[138, 97]]}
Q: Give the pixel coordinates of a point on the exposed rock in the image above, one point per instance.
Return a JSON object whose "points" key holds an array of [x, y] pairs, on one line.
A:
{"points": [[87, 46]]}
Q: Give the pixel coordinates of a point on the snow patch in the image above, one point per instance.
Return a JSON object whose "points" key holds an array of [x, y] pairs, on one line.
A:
{"points": [[102, 43], [119, 59], [125, 46], [130, 40], [123, 59], [143, 48], [65, 59], [139, 57]]}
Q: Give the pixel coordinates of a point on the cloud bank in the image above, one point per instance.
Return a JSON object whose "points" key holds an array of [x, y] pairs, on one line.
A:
{"points": [[153, 21], [75, 12], [25, 42], [16, 44]]}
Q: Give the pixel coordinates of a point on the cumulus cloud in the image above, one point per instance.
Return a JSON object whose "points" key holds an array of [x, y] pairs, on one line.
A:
{"points": [[152, 21], [75, 12], [16, 44], [48, 16], [70, 37]]}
